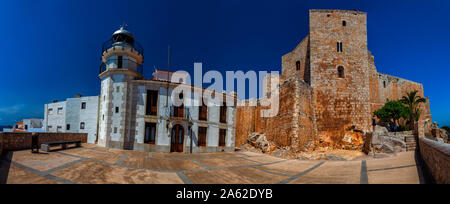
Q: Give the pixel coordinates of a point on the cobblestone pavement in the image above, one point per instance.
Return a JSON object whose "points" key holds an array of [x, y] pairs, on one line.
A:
{"points": [[94, 165]]}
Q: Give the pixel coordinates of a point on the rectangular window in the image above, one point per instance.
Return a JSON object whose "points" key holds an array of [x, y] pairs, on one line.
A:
{"points": [[339, 47], [26, 127], [82, 126], [60, 111], [203, 112], [68, 127], [178, 112], [150, 133], [202, 132], [118, 89], [83, 105], [117, 109], [152, 102], [115, 130], [58, 129], [120, 62], [49, 128], [50, 111], [222, 136], [223, 113]]}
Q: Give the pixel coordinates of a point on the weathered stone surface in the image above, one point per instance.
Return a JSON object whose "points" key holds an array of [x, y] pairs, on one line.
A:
{"points": [[328, 95], [437, 158], [439, 135]]}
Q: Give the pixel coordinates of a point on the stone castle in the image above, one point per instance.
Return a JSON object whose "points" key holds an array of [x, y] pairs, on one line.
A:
{"points": [[329, 88]]}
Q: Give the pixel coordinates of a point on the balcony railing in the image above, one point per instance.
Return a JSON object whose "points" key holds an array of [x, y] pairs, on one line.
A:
{"points": [[122, 64], [110, 44]]}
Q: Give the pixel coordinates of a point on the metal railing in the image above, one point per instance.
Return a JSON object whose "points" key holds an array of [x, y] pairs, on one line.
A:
{"points": [[111, 44], [122, 64]]}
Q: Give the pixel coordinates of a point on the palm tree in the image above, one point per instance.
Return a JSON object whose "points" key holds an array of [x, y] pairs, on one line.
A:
{"points": [[412, 101]]}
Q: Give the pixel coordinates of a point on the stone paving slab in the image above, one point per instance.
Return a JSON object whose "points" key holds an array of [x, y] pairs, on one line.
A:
{"points": [[291, 167], [250, 154], [178, 156], [401, 159], [105, 156], [332, 173], [131, 153], [240, 175], [161, 164], [42, 161], [223, 155], [406, 175], [21, 176], [91, 172], [264, 159], [224, 162]]}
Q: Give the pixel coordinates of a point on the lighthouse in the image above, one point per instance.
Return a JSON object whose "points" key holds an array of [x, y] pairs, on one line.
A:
{"points": [[122, 62]]}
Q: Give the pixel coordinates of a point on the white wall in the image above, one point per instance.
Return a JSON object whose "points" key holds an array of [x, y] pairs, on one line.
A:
{"points": [[55, 119]]}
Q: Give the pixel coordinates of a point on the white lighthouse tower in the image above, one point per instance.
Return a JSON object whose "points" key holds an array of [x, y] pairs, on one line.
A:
{"points": [[122, 62]]}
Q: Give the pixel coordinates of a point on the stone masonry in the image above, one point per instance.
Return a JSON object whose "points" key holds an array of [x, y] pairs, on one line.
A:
{"points": [[329, 88]]}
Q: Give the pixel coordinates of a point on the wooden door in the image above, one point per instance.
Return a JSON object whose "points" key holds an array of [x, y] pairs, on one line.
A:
{"points": [[177, 141]]}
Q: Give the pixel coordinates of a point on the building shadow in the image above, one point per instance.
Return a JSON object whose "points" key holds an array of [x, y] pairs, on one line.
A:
{"points": [[5, 166], [424, 172]]}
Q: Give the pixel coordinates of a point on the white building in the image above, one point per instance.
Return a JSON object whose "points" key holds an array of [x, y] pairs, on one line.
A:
{"points": [[136, 114], [75, 115], [27, 125]]}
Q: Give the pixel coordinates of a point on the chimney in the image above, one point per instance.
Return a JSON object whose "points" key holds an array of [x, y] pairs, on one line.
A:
{"points": [[55, 101], [78, 96]]}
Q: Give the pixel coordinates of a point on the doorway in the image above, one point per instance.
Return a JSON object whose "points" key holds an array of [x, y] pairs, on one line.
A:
{"points": [[177, 140]]}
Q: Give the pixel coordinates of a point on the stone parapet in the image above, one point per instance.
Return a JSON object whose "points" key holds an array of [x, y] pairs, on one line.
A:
{"points": [[1, 143], [436, 157], [21, 141]]}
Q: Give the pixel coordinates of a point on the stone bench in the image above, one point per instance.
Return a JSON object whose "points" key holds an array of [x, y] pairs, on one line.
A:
{"points": [[46, 145]]}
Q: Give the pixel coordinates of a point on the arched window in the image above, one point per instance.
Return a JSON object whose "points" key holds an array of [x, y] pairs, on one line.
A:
{"points": [[344, 23], [297, 65], [384, 84], [341, 73]]}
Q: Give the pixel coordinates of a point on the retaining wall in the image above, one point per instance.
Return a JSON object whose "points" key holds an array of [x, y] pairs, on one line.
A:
{"points": [[436, 157], [21, 141]]}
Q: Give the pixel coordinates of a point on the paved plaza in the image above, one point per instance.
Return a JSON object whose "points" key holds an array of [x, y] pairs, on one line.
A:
{"points": [[95, 165]]}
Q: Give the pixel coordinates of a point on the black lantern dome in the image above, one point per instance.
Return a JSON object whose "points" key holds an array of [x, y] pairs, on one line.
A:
{"points": [[123, 36]]}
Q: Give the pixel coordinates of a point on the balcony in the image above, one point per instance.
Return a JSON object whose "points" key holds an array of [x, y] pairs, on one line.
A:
{"points": [[136, 46], [179, 112]]}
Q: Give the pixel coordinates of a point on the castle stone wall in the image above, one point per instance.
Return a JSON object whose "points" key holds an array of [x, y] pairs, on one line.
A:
{"points": [[319, 107], [343, 103]]}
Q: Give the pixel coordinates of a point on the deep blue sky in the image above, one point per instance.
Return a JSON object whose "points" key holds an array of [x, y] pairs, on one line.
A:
{"points": [[51, 49]]}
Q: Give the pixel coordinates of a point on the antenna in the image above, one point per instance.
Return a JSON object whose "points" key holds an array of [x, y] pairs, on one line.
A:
{"points": [[124, 25], [168, 76]]}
